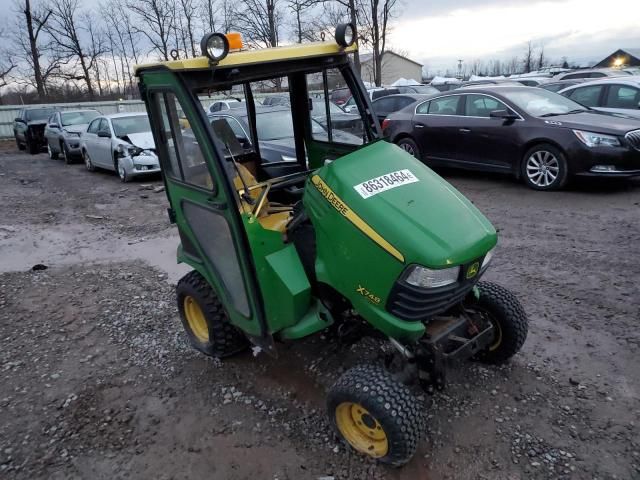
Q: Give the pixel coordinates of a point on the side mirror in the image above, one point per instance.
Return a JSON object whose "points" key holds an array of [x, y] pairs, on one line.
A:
{"points": [[104, 134], [503, 114], [18, 120], [53, 125]]}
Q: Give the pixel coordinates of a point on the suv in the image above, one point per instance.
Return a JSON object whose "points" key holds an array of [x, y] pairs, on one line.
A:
{"points": [[28, 128]]}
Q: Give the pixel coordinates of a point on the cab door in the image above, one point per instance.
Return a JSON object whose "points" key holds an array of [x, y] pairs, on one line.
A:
{"points": [[203, 202]]}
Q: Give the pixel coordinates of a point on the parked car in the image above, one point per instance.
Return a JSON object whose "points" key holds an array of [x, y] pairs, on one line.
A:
{"points": [[229, 103], [446, 87], [275, 131], [421, 89], [28, 128], [591, 73], [340, 96], [63, 130], [478, 83], [532, 81], [121, 142], [537, 135], [561, 84], [384, 106], [374, 94], [340, 120], [616, 95], [276, 100]]}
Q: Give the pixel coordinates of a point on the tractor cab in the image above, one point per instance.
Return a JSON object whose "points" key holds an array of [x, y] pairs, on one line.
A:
{"points": [[297, 217]]}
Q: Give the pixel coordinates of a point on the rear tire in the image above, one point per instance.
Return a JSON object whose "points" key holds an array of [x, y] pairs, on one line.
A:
{"points": [[205, 320], [544, 167], [376, 415], [410, 146], [508, 318]]}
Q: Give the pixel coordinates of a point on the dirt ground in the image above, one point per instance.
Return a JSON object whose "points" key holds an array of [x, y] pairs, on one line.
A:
{"points": [[97, 380]]}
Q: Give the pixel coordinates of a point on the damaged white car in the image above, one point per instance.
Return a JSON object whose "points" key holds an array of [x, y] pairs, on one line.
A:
{"points": [[120, 142]]}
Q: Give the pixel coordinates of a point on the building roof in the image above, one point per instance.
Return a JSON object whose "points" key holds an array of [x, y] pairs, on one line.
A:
{"points": [[366, 57], [632, 53]]}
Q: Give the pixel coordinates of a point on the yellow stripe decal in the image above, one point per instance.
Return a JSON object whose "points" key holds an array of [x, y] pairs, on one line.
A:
{"points": [[337, 203]]}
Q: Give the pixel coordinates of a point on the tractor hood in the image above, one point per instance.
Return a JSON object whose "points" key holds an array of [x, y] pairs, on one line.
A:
{"points": [[405, 207]]}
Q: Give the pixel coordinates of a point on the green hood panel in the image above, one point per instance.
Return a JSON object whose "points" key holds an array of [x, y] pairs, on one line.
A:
{"points": [[428, 221]]}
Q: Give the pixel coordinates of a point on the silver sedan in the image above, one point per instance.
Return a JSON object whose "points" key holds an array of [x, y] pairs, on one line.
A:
{"points": [[120, 142]]}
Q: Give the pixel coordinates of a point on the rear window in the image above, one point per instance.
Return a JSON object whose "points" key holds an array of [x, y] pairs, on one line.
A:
{"points": [[39, 114]]}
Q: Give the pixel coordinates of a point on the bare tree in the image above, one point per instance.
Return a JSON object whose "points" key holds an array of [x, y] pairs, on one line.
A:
{"points": [[34, 21], [302, 28], [374, 17], [76, 39], [541, 58], [7, 60], [189, 11], [528, 58], [217, 15], [259, 21], [155, 19]]}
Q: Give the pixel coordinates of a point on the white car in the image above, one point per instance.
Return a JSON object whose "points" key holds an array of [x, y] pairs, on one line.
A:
{"points": [[615, 95], [591, 73], [120, 142], [228, 104]]}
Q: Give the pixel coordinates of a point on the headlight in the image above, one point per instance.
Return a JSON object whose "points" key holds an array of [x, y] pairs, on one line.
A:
{"points": [[345, 34], [487, 259], [215, 46], [134, 151], [286, 158], [591, 139], [427, 278]]}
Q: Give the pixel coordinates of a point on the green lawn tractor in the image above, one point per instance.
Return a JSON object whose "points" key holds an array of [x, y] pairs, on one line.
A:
{"points": [[299, 218]]}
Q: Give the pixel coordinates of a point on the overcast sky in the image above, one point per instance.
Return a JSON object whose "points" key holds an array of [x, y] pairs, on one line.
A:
{"points": [[437, 32]]}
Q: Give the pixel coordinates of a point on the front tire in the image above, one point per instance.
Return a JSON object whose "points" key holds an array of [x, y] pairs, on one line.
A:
{"points": [[21, 146], [410, 146], [376, 415], [205, 320], [544, 167], [65, 153], [52, 155], [506, 314], [122, 172], [87, 161]]}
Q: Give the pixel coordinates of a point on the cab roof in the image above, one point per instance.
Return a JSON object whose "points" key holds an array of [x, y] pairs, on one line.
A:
{"points": [[258, 56]]}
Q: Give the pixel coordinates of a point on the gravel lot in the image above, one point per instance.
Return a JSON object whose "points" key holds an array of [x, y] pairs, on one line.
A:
{"points": [[97, 381]]}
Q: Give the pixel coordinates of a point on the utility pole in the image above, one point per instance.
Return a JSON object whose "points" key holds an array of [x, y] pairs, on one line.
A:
{"points": [[459, 76]]}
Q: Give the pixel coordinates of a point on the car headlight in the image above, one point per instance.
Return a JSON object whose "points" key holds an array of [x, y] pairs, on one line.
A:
{"points": [[70, 134], [592, 139], [487, 259], [134, 151], [427, 278]]}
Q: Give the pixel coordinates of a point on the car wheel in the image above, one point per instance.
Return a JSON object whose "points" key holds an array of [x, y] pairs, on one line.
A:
{"points": [[122, 172], [52, 155], [65, 154], [544, 167], [410, 146], [87, 161], [21, 146]]}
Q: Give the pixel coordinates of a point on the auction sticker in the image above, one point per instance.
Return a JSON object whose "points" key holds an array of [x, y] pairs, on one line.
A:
{"points": [[385, 182]]}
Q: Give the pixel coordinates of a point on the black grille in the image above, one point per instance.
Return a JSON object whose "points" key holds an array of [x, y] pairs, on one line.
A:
{"points": [[412, 303], [634, 139]]}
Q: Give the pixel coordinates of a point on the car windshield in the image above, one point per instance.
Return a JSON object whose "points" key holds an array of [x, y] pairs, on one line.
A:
{"points": [[319, 108], [279, 125], [542, 103], [77, 118], [123, 126], [39, 114]]}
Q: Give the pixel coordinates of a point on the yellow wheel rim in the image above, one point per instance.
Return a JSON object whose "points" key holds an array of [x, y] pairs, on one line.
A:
{"points": [[195, 319], [361, 429], [498, 333]]}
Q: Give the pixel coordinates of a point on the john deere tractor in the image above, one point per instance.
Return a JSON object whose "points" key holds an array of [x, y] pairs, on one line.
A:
{"points": [[299, 218]]}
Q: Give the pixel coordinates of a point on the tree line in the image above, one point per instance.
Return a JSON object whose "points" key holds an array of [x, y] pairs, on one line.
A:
{"points": [[64, 50]]}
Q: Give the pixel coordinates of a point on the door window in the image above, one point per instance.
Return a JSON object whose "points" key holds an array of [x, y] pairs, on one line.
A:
{"points": [[384, 105], [444, 105], [185, 158], [104, 126], [93, 126], [587, 96], [482, 106], [623, 96]]}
